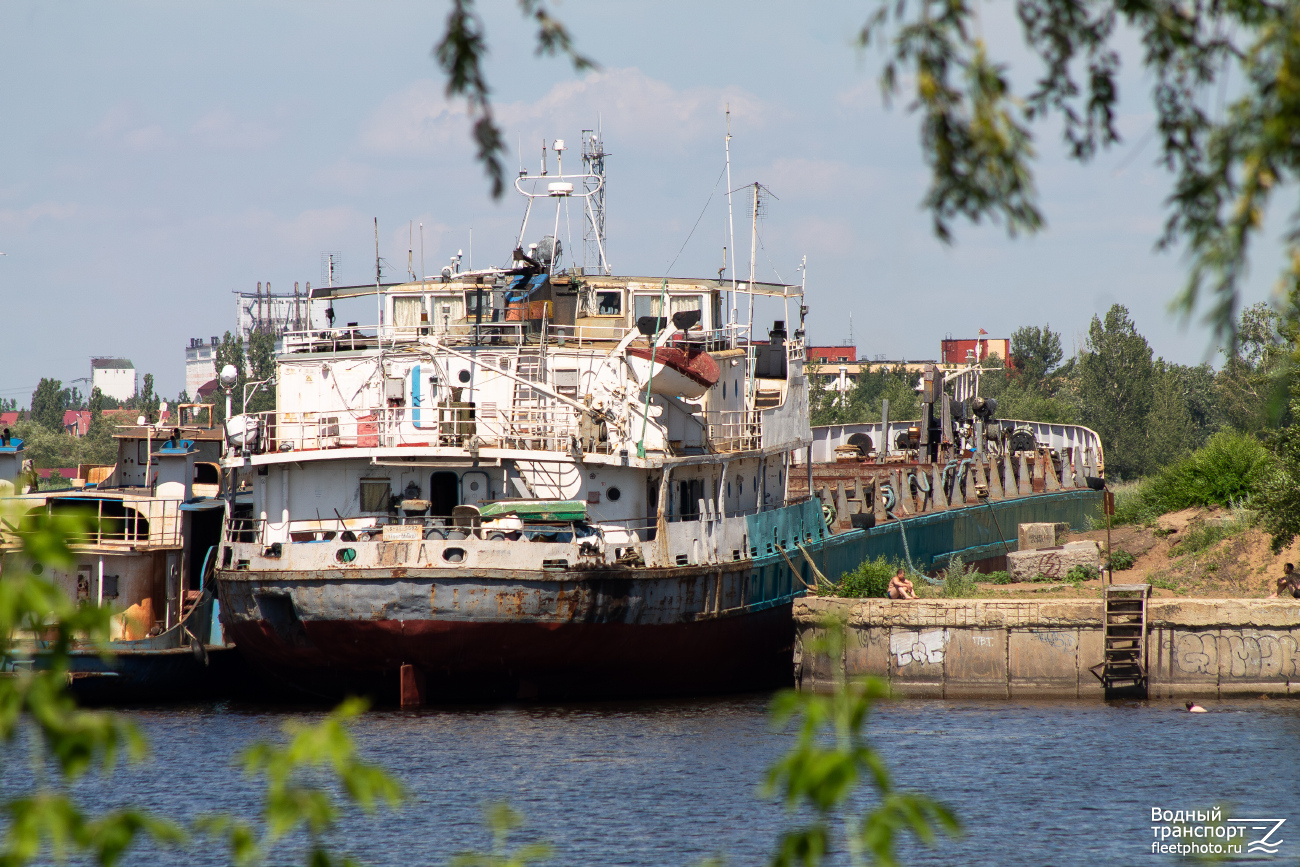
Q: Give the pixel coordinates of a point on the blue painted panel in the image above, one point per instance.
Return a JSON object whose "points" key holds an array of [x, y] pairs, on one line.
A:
{"points": [[422, 416], [215, 635], [973, 532]]}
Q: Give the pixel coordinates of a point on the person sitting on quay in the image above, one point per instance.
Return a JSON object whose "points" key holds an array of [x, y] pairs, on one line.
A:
{"points": [[1289, 583], [900, 587]]}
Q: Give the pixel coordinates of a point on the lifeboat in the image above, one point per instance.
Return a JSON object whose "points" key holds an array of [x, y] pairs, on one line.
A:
{"points": [[677, 372]]}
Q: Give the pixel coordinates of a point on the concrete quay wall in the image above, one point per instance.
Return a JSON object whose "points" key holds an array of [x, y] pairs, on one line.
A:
{"points": [[956, 648]]}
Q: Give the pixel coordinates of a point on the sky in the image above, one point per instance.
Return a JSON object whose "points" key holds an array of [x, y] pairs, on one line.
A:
{"points": [[157, 157]]}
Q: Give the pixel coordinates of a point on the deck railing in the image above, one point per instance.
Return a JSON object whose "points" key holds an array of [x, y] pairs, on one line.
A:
{"points": [[543, 424], [735, 430], [114, 523]]}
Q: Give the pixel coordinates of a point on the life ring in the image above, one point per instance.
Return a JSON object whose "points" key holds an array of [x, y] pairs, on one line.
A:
{"points": [[828, 514]]}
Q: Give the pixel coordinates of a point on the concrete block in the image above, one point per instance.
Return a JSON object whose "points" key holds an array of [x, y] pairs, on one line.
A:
{"points": [[975, 663], [1194, 658], [1092, 651], [1053, 562], [917, 654], [1253, 689], [1249, 656], [916, 689], [819, 670], [866, 652], [1043, 662], [1159, 660], [1031, 537]]}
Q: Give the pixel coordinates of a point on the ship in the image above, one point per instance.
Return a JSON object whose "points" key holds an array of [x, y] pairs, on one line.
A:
{"points": [[148, 553], [536, 481]]}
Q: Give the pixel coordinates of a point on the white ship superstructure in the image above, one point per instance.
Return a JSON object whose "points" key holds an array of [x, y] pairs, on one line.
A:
{"points": [[514, 467]]}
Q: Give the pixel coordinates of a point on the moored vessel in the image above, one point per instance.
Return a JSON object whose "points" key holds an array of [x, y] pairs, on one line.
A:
{"points": [[149, 553]]}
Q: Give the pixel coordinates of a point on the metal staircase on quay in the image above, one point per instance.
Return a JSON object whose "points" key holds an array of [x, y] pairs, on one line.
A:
{"points": [[1124, 670]]}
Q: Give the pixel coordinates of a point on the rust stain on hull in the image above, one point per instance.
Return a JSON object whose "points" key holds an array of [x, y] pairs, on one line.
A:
{"points": [[547, 660]]}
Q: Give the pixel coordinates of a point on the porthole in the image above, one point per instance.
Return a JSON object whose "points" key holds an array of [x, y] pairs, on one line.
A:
{"points": [[473, 486], [613, 494], [464, 376]]}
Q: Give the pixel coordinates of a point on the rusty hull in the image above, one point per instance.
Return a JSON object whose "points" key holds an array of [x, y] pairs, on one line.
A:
{"points": [[487, 634]]}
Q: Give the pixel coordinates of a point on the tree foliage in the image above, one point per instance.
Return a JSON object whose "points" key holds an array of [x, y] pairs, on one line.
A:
{"points": [[1035, 353], [36, 705], [261, 364], [302, 777], [460, 54], [1278, 500], [231, 351], [1115, 379], [831, 758], [148, 400], [49, 401]]}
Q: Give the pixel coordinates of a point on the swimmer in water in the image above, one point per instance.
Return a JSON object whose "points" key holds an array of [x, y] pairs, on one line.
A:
{"points": [[1193, 707]]}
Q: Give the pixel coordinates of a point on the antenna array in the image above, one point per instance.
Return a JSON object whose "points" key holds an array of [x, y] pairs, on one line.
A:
{"points": [[593, 232]]}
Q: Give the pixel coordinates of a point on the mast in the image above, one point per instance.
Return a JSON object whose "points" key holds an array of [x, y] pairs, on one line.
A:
{"points": [[731, 222], [753, 251], [379, 304], [593, 182]]}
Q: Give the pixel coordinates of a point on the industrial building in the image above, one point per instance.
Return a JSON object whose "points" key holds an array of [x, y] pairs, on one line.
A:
{"points": [[114, 377]]}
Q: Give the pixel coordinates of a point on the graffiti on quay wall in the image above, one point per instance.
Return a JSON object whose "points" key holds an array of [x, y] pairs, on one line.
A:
{"points": [[1237, 654], [925, 647]]}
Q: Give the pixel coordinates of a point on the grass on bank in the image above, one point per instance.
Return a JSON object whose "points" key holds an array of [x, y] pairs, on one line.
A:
{"points": [[1224, 472]]}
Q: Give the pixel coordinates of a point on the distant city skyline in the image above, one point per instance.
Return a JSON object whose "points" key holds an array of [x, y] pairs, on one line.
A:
{"points": [[149, 172]]}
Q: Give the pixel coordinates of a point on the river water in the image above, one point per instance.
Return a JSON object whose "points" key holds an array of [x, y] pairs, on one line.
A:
{"points": [[670, 783]]}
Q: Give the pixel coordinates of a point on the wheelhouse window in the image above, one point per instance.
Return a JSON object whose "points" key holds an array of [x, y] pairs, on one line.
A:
{"points": [[407, 310], [609, 304], [648, 305]]}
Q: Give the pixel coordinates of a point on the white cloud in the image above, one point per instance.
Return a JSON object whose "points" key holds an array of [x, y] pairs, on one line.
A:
{"points": [[348, 176], [638, 109], [413, 121], [19, 219], [123, 126], [221, 128], [317, 228], [798, 178]]}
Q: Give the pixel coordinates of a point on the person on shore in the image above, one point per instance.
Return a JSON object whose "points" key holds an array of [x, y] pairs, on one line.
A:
{"points": [[900, 587], [1288, 584], [1193, 707]]}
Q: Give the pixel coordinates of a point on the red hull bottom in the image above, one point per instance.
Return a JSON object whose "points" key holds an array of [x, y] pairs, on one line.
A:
{"points": [[459, 660]]}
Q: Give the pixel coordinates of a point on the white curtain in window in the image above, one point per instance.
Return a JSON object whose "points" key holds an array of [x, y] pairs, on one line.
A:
{"points": [[406, 312], [680, 303]]}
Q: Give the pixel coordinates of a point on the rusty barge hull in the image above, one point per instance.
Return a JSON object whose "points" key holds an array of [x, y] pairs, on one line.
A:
{"points": [[505, 636]]}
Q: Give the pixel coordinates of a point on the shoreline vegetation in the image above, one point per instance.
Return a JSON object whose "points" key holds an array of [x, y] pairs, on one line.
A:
{"points": [[1201, 527], [1204, 463]]}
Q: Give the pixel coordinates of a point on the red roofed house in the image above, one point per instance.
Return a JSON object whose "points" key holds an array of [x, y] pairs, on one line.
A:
{"points": [[963, 351], [832, 354], [76, 422], [8, 419]]}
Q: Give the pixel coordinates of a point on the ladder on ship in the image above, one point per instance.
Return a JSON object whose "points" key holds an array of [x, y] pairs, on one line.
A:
{"points": [[1124, 670]]}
